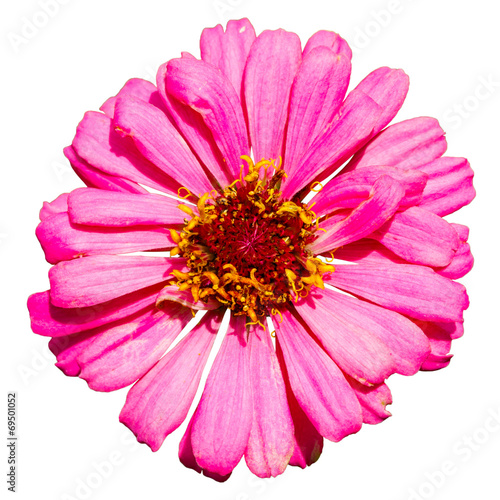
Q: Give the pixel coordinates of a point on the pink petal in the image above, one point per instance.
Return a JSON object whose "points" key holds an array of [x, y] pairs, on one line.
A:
{"points": [[328, 39], [159, 402], [187, 458], [436, 328], [193, 128], [462, 231], [308, 442], [271, 440], [440, 336], [206, 90], [388, 88], [415, 291], [123, 353], [228, 50], [436, 362], [371, 252], [135, 88], [272, 64], [96, 207], [97, 179], [63, 240], [60, 204], [367, 251], [462, 261], [449, 187], [223, 418], [173, 294], [373, 401], [319, 386], [407, 346], [317, 93], [98, 143], [68, 348], [352, 341], [92, 280], [350, 189], [52, 321], [353, 126], [382, 203], [420, 237], [158, 140], [408, 144]]}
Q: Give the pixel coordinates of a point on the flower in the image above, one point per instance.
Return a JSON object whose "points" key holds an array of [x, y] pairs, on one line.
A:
{"points": [[358, 276]]}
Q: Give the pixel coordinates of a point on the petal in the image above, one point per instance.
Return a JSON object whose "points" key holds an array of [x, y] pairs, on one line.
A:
{"points": [[92, 280], [317, 93], [52, 321], [462, 231], [228, 50], [136, 88], [98, 143], [354, 124], [159, 402], [407, 346], [415, 291], [350, 189], [97, 179], [186, 455], [348, 337], [193, 128], [328, 39], [462, 261], [454, 330], [185, 297], [206, 90], [407, 144], [382, 203], [420, 237], [123, 353], [158, 140], [63, 240], [319, 386], [449, 186], [187, 458], [96, 207], [223, 418], [308, 442], [68, 348], [271, 440], [60, 204], [388, 88], [440, 336], [367, 251], [373, 401], [272, 64]]}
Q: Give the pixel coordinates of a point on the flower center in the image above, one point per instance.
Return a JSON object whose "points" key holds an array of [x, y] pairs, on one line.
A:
{"points": [[247, 248]]}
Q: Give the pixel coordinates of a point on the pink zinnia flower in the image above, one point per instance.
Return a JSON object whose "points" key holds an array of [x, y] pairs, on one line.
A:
{"points": [[243, 135]]}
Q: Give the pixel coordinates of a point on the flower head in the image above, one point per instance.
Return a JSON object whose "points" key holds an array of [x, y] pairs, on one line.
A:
{"points": [[228, 164]]}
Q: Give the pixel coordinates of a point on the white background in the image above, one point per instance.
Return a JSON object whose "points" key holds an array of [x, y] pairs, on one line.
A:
{"points": [[83, 55]]}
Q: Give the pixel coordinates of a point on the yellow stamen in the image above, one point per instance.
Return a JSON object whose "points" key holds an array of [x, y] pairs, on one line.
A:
{"points": [[175, 236], [212, 277], [331, 258], [314, 184], [275, 312], [180, 275], [192, 224], [186, 196], [186, 209]]}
